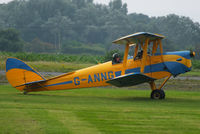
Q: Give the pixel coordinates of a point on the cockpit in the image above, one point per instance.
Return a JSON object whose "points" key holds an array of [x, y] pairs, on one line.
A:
{"points": [[116, 58]]}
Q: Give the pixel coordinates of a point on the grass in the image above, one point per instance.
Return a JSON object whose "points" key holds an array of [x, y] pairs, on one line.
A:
{"points": [[99, 111], [47, 66], [194, 72], [57, 66], [52, 62]]}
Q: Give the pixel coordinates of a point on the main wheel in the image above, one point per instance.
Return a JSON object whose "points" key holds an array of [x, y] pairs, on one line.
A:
{"points": [[25, 92], [157, 94]]}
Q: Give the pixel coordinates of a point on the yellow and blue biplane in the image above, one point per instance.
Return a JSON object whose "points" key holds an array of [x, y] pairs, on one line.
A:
{"points": [[148, 64]]}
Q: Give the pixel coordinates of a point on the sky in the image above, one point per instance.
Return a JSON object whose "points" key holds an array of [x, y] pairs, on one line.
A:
{"points": [[189, 8]]}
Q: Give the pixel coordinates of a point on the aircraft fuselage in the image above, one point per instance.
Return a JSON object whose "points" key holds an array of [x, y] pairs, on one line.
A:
{"points": [[157, 66]]}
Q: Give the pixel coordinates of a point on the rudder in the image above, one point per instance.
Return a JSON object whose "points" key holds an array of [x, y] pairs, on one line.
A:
{"points": [[19, 73]]}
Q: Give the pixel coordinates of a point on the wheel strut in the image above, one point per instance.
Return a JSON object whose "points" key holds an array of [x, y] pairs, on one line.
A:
{"points": [[164, 82], [158, 93]]}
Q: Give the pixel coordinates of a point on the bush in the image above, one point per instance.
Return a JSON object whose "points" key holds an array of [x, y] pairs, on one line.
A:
{"points": [[109, 54], [196, 64], [53, 57], [38, 46]]}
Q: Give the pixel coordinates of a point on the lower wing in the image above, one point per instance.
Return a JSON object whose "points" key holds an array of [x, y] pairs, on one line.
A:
{"points": [[130, 80]]}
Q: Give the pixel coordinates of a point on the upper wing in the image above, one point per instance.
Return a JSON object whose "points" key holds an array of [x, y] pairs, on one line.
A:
{"points": [[130, 80], [138, 38]]}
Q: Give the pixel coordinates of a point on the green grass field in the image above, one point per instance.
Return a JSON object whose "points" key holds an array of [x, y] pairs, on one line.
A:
{"points": [[194, 72], [99, 111]]}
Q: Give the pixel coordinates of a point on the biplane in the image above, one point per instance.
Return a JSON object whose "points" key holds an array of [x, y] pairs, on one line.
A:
{"points": [[148, 64]]}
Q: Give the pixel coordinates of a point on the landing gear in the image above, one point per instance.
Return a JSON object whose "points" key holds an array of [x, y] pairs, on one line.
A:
{"points": [[25, 92], [157, 94]]}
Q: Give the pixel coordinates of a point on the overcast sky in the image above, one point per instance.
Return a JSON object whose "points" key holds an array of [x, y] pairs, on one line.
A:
{"points": [[190, 8]]}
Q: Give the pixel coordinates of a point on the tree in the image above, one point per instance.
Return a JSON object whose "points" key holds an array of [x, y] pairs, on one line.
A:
{"points": [[10, 41], [37, 46], [58, 21], [197, 51], [117, 5], [58, 26]]}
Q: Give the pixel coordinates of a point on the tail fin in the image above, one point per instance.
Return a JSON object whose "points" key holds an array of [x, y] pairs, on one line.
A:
{"points": [[19, 73]]}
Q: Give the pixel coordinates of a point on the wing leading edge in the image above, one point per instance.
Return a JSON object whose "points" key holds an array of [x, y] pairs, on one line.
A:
{"points": [[138, 38], [130, 80]]}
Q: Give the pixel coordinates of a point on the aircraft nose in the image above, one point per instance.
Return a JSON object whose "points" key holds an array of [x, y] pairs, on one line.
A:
{"points": [[192, 54]]}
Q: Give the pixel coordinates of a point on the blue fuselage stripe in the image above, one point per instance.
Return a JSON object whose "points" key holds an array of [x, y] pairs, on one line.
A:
{"points": [[118, 73], [57, 84], [150, 68], [158, 67]]}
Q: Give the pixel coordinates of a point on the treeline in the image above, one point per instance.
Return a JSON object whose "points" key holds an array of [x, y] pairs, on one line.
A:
{"points": [[81, 26]]}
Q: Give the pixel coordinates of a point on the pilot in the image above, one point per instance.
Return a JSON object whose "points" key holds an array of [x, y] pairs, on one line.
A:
{"points": [[139, 55], [116, 58]]}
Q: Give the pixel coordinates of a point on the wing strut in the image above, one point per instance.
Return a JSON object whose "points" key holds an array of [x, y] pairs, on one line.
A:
{"points": [[125, 58], [153, 85], [144, 55]]}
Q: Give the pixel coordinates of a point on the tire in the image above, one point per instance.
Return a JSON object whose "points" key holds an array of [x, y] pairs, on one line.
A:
{"points": [[163, 94], [25, 92], [157, 94]]}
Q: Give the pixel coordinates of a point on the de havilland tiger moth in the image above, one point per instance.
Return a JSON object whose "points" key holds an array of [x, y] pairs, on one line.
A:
{"points": [[148, 64]]}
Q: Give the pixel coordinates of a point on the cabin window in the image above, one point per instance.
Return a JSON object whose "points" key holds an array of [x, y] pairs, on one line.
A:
{"points": [[150, 49], [139, 55]]}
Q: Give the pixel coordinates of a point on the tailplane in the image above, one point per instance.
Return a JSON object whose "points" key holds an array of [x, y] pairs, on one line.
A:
{"points": [[20, 74]]}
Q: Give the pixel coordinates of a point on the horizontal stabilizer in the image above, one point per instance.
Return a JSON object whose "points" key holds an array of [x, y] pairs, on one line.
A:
{"points": [[130, 80], [32, 83], [33, 86]]}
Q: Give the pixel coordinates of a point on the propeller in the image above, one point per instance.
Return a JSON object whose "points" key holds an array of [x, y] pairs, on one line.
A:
{"points": [[192, 53]]}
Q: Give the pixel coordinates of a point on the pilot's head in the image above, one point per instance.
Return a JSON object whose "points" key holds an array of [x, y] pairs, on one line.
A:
{"points": [[116, 58]]}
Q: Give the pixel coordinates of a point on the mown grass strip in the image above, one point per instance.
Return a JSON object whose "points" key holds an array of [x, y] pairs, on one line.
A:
{"points": [[74, 124], [100, 110], [48, 122], [16, 121]]}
